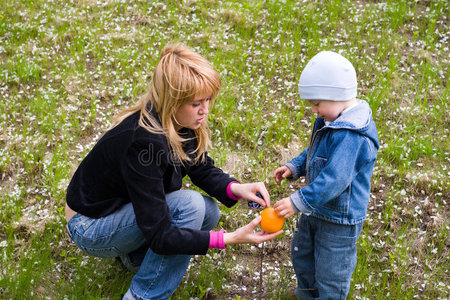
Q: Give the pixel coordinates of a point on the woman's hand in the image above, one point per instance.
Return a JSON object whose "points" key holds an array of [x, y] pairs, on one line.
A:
{"points": [[246, 234], [281, 173], [248, 191], [284, 208]]}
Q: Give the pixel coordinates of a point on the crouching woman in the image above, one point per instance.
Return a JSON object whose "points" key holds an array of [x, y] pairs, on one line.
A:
{"points": [[125, 199]]}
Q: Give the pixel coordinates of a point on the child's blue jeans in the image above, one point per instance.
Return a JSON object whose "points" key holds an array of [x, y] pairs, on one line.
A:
{"points": [[117, 235], [324, 258]]}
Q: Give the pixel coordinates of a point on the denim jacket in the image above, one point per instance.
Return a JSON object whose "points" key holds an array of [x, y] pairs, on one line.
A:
{"points": [[338, 166]]}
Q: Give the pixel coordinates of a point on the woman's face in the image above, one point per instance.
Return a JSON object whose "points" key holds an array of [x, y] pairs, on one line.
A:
{"points": [[192, 114]]}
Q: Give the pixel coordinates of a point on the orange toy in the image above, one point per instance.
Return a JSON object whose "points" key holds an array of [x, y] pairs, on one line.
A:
{"points": [[270, 221]]}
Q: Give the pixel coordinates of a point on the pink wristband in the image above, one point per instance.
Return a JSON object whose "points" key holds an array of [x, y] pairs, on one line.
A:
{"points": [[216, 239], [230, 194]]}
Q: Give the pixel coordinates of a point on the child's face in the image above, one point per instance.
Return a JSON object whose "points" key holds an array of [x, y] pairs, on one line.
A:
{"points": [[328, 110]]}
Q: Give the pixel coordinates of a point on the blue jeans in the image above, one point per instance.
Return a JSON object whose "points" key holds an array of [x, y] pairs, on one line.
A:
{"points": [[324, 258], [118, 235]]}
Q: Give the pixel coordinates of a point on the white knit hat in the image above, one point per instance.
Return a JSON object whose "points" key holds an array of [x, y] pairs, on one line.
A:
{"points": [[328, 76]]}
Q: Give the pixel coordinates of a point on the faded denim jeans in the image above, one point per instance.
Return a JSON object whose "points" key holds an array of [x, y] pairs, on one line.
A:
{"points": [[117, 235], [324, 258]]}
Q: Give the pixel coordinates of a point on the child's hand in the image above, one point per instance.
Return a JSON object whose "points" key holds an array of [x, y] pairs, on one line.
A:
{"points": [[281, 173], [284, 208]]}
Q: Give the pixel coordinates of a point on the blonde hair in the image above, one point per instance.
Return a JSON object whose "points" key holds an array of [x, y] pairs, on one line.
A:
{"points": [[179, 76]]}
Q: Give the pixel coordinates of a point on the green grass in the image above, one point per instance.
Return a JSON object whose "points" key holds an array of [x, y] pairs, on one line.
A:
{"points": [[66, 67]]}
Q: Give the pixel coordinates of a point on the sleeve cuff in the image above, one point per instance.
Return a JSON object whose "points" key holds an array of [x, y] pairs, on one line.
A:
{"points": [[230, 194], [216, 239], [299, 205], [295, 174]]}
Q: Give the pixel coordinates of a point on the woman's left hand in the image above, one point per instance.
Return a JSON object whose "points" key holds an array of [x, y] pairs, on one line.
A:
{"points": [[246, 234], [248, 191]]}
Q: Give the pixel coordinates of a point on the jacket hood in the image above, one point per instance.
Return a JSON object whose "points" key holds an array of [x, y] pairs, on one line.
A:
{"points": [[357, 118]]}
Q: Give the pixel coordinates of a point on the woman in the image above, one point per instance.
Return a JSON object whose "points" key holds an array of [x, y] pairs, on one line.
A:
{"points": [[125, 201]]}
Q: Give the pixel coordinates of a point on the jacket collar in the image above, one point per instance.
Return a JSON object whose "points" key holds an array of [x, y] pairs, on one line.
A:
{"points": [[358, 118]]}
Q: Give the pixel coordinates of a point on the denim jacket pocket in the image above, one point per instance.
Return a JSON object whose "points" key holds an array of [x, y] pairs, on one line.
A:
{"points": [[316, 165], [341, 203]]}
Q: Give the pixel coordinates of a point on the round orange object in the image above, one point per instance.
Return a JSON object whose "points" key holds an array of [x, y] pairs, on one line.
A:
{"points": [[270, 221]]}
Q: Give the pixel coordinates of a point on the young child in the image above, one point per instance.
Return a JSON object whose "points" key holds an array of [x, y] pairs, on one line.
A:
{"points": [[338, 165]]}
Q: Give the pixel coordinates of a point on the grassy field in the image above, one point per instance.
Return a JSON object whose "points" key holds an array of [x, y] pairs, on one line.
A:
{"points": [[67, 67]]}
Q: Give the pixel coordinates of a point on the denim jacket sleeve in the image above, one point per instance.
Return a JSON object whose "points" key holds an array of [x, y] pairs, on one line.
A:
{"points": [[297, 165], [348, 153]]}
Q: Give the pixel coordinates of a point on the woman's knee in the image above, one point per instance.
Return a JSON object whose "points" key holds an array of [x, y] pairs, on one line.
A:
{"points": [[195, 201], [212, 214], [187, 208]]}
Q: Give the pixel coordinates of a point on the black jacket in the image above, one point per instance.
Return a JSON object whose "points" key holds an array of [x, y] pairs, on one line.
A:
{"points": [[130, 164]]}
